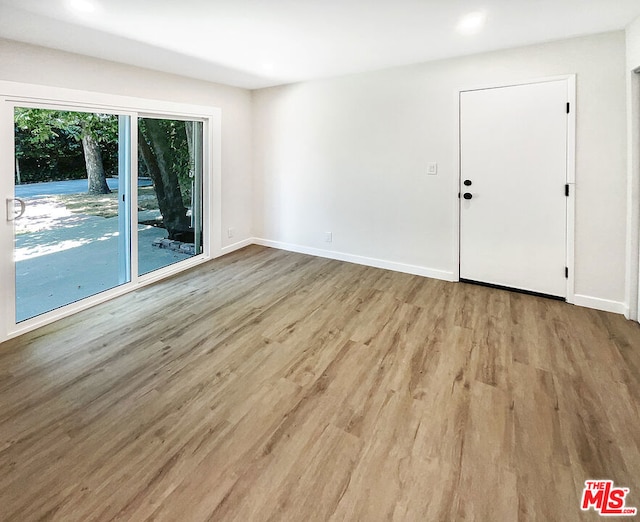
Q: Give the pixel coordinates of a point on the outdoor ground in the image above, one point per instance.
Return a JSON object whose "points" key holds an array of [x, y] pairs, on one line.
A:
{"points": [[66, 245]]}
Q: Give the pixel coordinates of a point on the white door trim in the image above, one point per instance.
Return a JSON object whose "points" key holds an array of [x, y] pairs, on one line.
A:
{"points": [[571, 170], [632, 276], [21, 93]]}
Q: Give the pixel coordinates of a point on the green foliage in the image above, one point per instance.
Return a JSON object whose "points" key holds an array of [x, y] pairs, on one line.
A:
{"points": [[46, 124], [48, 145], [48, 142], [178, 153]]}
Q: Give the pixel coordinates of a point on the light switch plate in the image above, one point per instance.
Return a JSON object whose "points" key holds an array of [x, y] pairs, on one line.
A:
{"points": [[432, 169]]}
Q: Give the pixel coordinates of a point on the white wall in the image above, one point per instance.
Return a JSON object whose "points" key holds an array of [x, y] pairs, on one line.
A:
{"points": [[31, 64], [349, 155], [633, 167]]}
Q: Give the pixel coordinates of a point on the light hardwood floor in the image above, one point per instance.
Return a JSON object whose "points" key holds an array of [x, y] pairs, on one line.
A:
{"points": [[270, 386]]}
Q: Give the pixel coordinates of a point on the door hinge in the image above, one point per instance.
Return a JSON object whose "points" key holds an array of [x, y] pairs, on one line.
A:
{"points": [[566, 272], [566, 190], [568, 107]]}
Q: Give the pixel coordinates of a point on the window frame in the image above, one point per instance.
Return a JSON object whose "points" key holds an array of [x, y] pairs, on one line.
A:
{"points": [[18, 94]]}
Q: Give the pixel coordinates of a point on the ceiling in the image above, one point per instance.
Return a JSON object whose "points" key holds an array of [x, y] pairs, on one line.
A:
{"points": [[260, 43]]}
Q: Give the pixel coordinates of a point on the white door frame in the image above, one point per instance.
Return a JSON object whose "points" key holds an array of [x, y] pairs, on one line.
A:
{"points": [[632, 276], [571, 171], [12, 92]]}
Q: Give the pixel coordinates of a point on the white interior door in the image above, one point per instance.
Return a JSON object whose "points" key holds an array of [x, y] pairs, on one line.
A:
{"points": [[513, 210]]}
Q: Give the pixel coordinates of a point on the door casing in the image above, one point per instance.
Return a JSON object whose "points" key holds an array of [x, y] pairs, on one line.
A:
{"points": [[12, 93]]}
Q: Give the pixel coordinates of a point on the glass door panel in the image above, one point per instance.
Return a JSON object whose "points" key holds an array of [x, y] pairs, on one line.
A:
{"points": [[71, 174], [169, 192]]}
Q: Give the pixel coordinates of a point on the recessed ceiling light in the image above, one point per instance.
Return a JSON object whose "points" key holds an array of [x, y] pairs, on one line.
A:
{"points": [[472, 23], [81, 6]]}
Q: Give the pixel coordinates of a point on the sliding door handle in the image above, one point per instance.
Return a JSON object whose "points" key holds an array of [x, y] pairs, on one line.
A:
{"points": [[11, 208]]}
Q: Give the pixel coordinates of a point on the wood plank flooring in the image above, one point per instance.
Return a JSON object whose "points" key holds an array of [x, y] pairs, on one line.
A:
{"points": [[269, 386]]}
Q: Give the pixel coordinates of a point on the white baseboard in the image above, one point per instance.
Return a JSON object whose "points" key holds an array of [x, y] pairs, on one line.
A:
{"points": [[237, 246], [600, 304], [359, 260], [580, 300]]}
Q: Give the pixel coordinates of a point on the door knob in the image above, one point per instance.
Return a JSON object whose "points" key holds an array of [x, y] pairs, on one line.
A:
{"points": [[467, 182], [467, 195]]}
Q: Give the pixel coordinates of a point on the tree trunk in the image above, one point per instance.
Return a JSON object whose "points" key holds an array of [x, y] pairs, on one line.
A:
{"points": [[97, 180], [18, 171], [188, 127], [156, 153]]}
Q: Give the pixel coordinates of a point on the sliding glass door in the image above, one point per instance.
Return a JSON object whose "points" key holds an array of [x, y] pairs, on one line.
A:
{"points": [[76, 230], [170, 192], [71, 237]]}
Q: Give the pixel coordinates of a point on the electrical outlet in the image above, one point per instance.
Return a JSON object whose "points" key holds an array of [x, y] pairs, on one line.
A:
{"points": [[432, 169], [230, 232], [328, 237]]}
